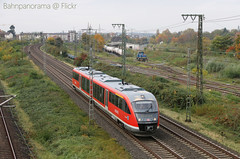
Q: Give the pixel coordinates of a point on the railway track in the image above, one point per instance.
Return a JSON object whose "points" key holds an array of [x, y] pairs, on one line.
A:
{"points": [[160, 148], [152, 145], [202, 145], [7, 150]]}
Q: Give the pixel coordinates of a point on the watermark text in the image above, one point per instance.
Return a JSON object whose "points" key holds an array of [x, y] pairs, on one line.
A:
{"points": [[54, 6]]}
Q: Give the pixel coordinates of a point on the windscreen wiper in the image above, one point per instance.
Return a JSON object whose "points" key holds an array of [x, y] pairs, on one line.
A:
{"points": [[149, 108]]}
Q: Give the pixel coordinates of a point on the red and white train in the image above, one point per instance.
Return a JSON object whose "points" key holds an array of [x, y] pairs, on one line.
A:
{"points": [[131, 106]]}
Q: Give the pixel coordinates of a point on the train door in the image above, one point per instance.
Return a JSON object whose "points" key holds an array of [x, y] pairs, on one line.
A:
{"points": [[106, 99]]}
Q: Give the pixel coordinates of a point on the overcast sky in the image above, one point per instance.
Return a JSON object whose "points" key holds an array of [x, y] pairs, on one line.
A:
{"points": [[137, 15]]}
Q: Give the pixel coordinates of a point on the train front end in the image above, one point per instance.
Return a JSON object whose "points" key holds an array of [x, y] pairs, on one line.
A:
{"points": [[147, 116], [145, 108]]}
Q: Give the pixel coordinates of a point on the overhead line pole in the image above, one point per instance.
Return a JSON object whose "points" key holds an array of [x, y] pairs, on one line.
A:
{"points": [[75, 40], [91, 102], [123, 50], [188, 99], [199, 73]]}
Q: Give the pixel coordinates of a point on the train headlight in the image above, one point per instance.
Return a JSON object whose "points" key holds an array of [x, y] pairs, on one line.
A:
{"points": [[139, 119], [155, 119]]}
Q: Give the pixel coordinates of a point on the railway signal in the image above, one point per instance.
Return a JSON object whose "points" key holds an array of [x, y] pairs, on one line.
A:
{"points": [[123, 49], [199, 73]]}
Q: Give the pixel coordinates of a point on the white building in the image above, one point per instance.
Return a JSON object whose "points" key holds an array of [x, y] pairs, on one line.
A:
{"points": [[8, 36]]}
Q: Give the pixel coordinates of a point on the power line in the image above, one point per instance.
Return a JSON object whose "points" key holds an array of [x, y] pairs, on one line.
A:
{"points": [[223, 18]]}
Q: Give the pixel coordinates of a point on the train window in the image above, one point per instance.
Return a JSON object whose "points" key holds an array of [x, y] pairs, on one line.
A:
{"points": [[125, 107], [98, 92], [101, 94], [115, 100], [110, 97], [120, 100], [82, 83], [106, 98], [76, 76], [145, 106], [85, 84]]}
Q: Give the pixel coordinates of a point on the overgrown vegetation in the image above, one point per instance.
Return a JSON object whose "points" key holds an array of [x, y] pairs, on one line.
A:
{"points": [[213, 66], [55, 46], [232, 71], [54, 125]]}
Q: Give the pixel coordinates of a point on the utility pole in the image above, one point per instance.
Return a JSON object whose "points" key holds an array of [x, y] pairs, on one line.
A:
{"points": [[199, 73], [189, 99], [44, 58], [123, 49], [91, 102], [75, 40]]}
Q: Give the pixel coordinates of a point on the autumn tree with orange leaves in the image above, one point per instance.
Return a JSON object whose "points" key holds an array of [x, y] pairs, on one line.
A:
{"points": [[99, 42]]}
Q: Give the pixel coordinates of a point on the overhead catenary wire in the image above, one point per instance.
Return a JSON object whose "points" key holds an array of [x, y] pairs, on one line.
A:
{"points": [[236, 17]]}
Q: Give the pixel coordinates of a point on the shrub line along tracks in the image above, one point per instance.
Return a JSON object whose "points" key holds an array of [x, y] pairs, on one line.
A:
{"points": [[168, 73], [7, 152], [152, 145]]}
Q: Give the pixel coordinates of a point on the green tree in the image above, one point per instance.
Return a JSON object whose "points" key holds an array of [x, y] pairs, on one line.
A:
{"points": [[58, 42], [85, 40], [221, 43]]}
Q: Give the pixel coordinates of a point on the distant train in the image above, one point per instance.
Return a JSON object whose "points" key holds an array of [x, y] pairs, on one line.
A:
{"points": [[114, 50], [141, 56], [131, 106]]}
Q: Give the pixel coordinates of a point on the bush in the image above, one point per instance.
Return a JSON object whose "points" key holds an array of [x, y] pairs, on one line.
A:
{"points": [[129, 54], [231, 71], [213, 66], [35, 75], [81, 60]]}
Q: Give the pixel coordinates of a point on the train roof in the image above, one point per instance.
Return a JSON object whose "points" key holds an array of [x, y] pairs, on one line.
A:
{"points": [[132, 91]]}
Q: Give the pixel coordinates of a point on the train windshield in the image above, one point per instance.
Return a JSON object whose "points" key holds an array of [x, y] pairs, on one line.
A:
{"points": [[145, 106]]}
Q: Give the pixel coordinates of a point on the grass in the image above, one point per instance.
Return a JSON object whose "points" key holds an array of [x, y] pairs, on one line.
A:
{"points": [[54, 125]]}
